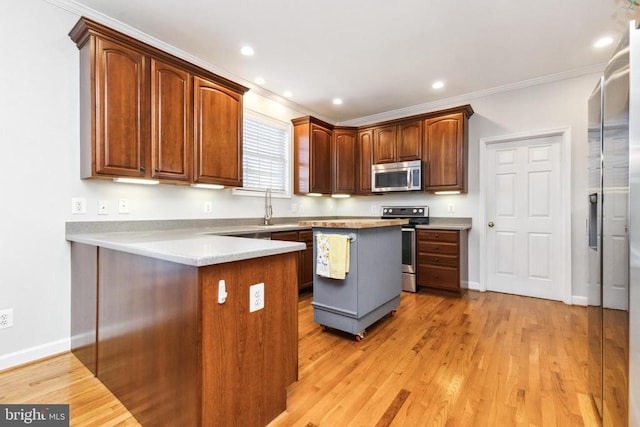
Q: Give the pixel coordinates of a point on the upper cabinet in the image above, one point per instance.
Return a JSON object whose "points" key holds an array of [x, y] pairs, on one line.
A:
{"points": [[344, 159], [397, 143], [312, 141], [446, 151], [218, 134], [118, 105], [171, 130], [145, 113], [364, 160]]}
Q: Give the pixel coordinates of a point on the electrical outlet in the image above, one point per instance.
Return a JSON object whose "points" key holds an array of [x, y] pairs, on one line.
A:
{"points": [[103, 207], [451, 208], [78, 206], [6, 318], [123, 206], [374, 209], [208, 207], [256, 297], [294, 208]]}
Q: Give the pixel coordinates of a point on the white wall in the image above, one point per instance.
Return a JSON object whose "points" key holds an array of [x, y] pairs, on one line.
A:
{"points": [[39, 139]]}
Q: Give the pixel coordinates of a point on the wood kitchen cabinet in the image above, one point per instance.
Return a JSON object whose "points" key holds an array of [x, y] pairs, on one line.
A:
{"points": [[397, 143], [218, 134], [305, 260], [171, 122], [141, 109], [364, 160], [155, 334], [446, 151], [344, 159], [442, 259], [312, 142]]}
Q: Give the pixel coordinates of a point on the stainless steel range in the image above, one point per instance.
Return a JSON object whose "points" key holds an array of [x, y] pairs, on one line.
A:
{"points": [[416, 215]]}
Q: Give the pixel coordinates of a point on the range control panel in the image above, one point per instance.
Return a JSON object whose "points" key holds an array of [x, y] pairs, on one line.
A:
{"points": [[405, 211]]}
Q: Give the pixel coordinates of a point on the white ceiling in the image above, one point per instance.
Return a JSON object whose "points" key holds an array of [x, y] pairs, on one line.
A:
{"points": [[379, 55]]}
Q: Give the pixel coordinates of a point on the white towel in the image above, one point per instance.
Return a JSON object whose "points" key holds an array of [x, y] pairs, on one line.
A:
{"points": [[332, 255]]}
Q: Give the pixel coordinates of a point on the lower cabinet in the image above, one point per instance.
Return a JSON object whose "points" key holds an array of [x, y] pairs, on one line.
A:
{"points": [[305, 261], [442, 259], [155, 334]]}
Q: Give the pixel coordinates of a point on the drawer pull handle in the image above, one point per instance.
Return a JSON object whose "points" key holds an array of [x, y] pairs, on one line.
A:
{"points": [[437, 260], [437, 276]]}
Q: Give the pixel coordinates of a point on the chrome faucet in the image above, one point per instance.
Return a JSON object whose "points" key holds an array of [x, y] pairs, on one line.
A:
{"points": [[268, 209]]}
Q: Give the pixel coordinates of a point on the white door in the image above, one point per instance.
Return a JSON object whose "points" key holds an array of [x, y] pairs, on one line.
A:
{"points": [[524, 252]]}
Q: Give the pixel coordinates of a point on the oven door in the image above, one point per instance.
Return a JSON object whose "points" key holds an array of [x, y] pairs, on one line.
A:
{"points": [[408, 250]]}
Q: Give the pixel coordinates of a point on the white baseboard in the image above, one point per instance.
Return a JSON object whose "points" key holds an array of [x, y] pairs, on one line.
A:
{"points": [[27, 355], [474, 286], [576, 300]]}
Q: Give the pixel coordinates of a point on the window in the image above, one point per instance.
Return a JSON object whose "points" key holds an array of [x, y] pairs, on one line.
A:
{"points": [[265, 154]]}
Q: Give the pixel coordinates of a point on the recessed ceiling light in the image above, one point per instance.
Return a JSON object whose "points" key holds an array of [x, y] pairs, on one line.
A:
{"points": [[287, 94], [438, 85], [259, 80], [247, 51], [603, 42], [337, 101]]}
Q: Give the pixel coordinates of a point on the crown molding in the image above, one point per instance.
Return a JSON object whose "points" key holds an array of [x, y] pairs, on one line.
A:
{"points": [[468, 97], [99, 17], [81, 10]]}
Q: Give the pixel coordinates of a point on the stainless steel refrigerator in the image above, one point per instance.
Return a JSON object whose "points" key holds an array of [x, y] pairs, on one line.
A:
{"points": [[608, 236]]}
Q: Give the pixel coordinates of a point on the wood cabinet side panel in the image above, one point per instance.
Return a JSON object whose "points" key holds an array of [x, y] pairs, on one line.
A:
{"points": [[248, 359], [84, 309], [148, 337], [301, 158]]}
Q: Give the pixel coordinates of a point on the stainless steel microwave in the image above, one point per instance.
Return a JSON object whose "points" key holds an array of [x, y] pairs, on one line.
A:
{"points": [[401, 176]]}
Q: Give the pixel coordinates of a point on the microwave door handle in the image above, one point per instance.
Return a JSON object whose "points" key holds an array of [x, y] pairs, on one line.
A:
{"points": [[409, 178]]}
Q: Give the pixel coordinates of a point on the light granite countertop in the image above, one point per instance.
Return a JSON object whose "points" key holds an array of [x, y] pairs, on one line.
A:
{"points": [[447, 224], [195, 246]]}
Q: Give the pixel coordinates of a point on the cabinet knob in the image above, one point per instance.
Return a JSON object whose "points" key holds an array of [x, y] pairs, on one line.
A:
{"points": [[437, 260], [491, 224], [437, 276], [437, 235], [142, 169], [157, 169], [437, 248]]}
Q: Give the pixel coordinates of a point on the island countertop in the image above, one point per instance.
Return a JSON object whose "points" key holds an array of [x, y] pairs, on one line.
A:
{"points": [[355, 223], [187, 247]]}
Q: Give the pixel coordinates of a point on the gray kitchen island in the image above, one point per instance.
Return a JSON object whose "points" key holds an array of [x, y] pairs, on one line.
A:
{"points": [[371, 289]]}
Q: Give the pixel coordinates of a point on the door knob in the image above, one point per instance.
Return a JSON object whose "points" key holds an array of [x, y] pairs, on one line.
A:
{"points": [[491, 224]]}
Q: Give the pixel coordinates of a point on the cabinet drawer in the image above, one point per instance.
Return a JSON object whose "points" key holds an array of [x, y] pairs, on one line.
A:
{"points": [[438, 248], [441, 277], [439, 260], [438, 235]]}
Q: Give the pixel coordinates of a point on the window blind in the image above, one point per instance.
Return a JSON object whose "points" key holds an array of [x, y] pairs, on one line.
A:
{"points": [[265, 156]]}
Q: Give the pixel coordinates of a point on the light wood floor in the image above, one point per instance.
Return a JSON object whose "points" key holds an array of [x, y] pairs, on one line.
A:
{"points": [[484, 359]]}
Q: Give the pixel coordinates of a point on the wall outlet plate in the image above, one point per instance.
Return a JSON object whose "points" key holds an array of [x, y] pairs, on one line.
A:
{"points": [[208, 207], [256, 297], [6, 318], [123, 206], [78, 206], [103, 207]]}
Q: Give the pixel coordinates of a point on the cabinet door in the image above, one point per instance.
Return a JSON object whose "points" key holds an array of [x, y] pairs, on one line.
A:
{"points": [[218, 134], [320, 159], [409, 144], [445, 153], [307, 260], [364, 160], [170, 122], [384, 144], [121, 123], [344, 149]]}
